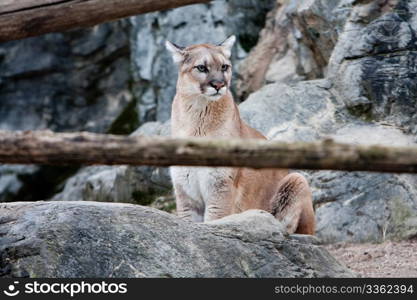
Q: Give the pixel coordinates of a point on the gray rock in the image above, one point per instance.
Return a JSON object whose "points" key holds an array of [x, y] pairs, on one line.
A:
{"points": [[28, 182], [361, 206], [140, 185], [374, 63], [295, 44], [10, 183], [126, 184], [300, 112], [90, 239], [66, 81], [373, 70], [79, 80], [364, 207]]}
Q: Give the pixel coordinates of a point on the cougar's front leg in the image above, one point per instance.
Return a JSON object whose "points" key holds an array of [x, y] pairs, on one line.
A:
{"points": [[219, 199], [187, 208], [218, 207], [293, 204]]}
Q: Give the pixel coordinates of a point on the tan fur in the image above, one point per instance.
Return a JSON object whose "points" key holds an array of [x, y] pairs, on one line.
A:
{"points": [[204, 194]]}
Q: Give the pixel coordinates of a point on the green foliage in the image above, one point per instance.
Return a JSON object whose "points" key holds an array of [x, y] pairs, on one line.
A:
{"points": [[145, 198]]}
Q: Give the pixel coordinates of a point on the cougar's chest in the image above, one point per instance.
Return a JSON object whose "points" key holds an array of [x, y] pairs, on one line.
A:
{"points": [[202, 184]]}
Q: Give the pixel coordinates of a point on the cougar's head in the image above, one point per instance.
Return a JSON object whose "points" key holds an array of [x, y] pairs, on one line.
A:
{"points": [[204, 70]]}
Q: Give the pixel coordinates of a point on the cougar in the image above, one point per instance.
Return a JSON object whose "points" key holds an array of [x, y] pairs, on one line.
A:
{"points": [[204, 107]]}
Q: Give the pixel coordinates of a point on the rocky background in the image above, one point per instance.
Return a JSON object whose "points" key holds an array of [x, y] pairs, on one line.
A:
{"points": [[304, 70]]}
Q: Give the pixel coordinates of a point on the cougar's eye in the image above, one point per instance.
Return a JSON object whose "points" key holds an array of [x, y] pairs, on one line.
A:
{"points": [[202, 68], [225, 68]]}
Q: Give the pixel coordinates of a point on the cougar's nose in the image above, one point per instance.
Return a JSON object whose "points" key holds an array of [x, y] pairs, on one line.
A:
{"points": [[217, 84]]}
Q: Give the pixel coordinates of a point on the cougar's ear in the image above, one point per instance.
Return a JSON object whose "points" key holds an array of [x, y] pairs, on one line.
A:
{"points": [[227, 46], [177, 52]]}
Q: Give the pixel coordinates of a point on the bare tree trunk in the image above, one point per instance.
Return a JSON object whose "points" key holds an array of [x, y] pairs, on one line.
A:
{"points": [[25, 18], [46, 147]]}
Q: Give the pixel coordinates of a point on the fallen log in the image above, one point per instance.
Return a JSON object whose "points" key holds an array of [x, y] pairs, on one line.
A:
{"points": [[46, 147], [25, 18]]}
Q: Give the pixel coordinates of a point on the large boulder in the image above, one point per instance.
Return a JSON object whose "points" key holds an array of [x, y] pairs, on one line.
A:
{"points": [[90, 239]]}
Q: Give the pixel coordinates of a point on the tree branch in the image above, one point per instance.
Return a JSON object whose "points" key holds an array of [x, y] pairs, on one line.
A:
{"points": [[46, 147], [25, 18]]}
